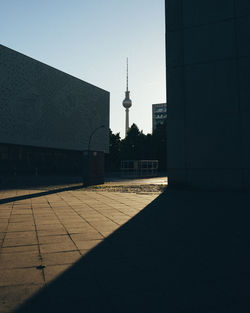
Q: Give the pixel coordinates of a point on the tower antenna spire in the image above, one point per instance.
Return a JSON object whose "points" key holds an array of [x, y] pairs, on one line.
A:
{"points": [[127, 74], [127, 104]]}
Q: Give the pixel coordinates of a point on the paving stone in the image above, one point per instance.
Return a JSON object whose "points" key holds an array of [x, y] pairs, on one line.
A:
{"points": [[50, 226], [120, 219], [4, 214], [54, 239], [23, 234], [79, 230], [105, 234], [91, 235], [43, 211], [86, 244], [20, 212], [61, 258], [20, 249], [80, 223], [11, 277], [21, 219], [20, 241], [106, 229], [4, 220], [20, 227], [57, 247], [19, 260], [47, 222], [53, 272], [84, 252], [52, 232]]}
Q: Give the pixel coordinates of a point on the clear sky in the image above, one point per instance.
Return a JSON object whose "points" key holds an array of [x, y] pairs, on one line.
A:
{"points": [[90, 39]]}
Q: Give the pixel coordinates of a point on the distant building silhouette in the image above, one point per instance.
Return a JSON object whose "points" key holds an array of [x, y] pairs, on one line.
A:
{"points": [[159, 114], [47, 119], [127, 103]]}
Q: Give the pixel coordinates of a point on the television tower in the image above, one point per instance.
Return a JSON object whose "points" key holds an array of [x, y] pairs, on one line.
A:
{"points": [[127, 104]]}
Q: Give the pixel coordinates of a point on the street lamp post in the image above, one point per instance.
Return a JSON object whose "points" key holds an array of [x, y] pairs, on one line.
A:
{"points": [[91, 135], [86, 178]]}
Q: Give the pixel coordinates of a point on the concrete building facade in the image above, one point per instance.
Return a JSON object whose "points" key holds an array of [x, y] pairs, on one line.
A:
{"points": [[208, 94], [159, 114], [47, 117]]}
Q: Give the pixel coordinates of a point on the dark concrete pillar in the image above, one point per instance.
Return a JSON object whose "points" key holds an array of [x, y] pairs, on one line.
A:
{"points": [[208, 93], [93, 168]]}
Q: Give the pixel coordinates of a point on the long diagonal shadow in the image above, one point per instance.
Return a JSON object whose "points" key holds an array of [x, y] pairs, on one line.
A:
{"points": [[39, 194], [185, 252]]}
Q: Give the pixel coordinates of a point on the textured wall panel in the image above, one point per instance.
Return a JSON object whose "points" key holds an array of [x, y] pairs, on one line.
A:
{"points": [[44, 107]]}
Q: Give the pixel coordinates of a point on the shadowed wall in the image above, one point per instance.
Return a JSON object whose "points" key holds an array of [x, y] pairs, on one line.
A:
{"points": [[208, 74]]}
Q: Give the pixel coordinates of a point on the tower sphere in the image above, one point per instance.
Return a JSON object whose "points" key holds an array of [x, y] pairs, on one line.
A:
{"points": [[127, 103]]}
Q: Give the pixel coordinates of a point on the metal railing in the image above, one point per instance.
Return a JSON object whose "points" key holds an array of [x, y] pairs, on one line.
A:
{"points": [[139, 168]]}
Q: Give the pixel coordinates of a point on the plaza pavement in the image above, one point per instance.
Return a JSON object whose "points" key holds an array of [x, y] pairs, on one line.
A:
{"points": [[43, 232], [96, 251]]}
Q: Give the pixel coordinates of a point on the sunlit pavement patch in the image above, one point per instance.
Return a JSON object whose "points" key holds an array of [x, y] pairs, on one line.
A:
{"points": [[42, 236]]}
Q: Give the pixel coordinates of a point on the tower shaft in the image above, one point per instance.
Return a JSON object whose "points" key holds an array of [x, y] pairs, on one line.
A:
{"points": [[127, 122]]}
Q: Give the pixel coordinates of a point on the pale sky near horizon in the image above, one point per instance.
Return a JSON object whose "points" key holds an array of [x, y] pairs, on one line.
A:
{"points": [[90, 39]]}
